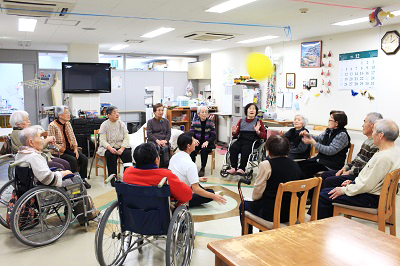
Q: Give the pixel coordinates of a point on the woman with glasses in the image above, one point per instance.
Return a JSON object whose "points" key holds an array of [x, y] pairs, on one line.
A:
{"points": [[332, 146]]}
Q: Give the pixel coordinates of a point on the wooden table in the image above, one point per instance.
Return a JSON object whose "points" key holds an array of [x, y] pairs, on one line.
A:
{"points": [[285, 123], [332, 241]]}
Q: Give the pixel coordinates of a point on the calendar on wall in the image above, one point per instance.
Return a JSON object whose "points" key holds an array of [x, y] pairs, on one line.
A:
{"points": [[357, 71]]}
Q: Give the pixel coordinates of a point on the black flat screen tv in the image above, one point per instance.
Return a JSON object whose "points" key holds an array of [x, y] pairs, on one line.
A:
{"points": [[86, 77]]}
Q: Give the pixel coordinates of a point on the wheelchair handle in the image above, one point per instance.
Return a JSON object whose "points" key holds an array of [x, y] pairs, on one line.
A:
{"points": [[16, 163], [6, 156], [68, 176], [162, 182], [246, 181]]}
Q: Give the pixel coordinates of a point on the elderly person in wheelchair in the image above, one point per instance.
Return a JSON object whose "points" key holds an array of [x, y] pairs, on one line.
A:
{"points": [[248, 130], [20, 120], [37, 208], [142, 215]]}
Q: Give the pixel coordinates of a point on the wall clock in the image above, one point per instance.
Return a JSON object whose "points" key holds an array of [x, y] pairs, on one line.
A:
{"points": [[390, 42]]}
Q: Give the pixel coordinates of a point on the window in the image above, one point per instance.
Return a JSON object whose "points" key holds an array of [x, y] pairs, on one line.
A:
{"points": [[52, 60], [116, 61]]}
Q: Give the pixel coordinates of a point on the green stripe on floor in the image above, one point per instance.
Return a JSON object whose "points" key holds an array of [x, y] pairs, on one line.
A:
{"points": [[227, 185], [213, 235]]}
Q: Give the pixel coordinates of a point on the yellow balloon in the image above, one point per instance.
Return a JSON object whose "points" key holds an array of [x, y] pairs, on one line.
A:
{"points": [[259, 66]]}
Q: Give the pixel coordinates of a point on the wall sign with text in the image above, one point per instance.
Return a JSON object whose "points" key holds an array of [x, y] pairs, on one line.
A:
{"points": [[357, 71]]}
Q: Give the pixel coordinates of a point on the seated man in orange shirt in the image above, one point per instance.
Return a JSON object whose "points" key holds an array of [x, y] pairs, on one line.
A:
{"points": [[147, 173]]}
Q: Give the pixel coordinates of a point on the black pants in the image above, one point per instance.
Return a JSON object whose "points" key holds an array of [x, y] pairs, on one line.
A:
{"points": [[197, 200], [253, 207], [244, 148], [330, 180], [325, 207], [310, 167], [203, 153], [82, 162], [112, 164], [165, 156]]}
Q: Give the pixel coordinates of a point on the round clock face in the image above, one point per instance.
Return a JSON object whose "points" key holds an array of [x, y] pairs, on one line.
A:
{"points": [[391, 42]]}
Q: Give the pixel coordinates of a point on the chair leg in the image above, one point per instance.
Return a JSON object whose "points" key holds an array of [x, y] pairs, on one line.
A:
{"points": [[381, 225], [347, 216], [245, 227], [105, 168], [118, 165], [212, 162], [335, 211], [392, 221], [97, 164]]}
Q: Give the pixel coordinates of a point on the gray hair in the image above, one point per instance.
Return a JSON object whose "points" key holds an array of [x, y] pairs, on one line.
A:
{"points": [[388, 127], [305, 120], [373, 117], [110, 109], [200, 108], [59, 110], [17, 117], [29, 133]]}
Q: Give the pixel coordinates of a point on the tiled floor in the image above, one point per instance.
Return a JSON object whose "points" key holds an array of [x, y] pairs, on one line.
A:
{"points": [[76, 247]]}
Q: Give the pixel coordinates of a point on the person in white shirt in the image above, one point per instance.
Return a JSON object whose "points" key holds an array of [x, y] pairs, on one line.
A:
{"points": [[366, 188], [185, 169]]}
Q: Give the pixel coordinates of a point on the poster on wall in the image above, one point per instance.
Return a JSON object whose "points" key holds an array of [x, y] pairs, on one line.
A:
{"points": [[357, 71]]}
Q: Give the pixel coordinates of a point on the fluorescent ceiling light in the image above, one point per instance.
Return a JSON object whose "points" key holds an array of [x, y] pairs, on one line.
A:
{"points": [[229, 5], [118, 47], [198, 51], [27, 24], [351, 22], [157, 32], [259, 39]]}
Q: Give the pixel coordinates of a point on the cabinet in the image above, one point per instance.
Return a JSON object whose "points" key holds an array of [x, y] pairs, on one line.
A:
{"points": [[179, 117], [199, 70]]}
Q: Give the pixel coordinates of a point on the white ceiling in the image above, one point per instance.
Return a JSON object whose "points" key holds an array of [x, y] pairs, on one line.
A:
{"points": [[114, 30]]}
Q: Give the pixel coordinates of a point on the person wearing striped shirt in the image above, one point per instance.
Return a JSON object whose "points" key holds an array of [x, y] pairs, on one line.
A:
{"points": [[351, 170]]}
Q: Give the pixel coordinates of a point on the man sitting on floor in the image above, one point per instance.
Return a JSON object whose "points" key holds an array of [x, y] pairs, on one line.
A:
{"points": [[364, 191], [147, 173], [351, 170], [182, 165]]}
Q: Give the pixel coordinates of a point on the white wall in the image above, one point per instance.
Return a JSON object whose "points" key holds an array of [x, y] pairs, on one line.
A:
{"points": [[317, 109]]}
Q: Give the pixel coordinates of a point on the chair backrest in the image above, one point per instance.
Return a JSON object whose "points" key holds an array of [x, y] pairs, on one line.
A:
{"points": [[144, 134], [144, 209], [297, 212], [320, 128], [313, 151], [23, 180], [350, 153], [387, 198], [95, 133]]}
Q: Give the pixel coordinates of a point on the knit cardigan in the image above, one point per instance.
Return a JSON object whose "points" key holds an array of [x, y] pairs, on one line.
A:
{"points": [[55, 129], [209, 134]]}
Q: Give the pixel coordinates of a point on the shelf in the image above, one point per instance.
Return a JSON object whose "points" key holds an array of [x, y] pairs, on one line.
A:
{"points": [[248, 83], [179, 122]]}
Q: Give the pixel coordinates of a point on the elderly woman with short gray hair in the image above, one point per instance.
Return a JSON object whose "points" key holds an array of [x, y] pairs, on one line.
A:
{"points": [[20, 120], [114, 141], [66, 142], [203, 129], [298, 149]]}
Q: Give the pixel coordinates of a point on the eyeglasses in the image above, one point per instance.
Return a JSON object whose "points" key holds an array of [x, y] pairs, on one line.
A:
{"points": [[331, 120]]}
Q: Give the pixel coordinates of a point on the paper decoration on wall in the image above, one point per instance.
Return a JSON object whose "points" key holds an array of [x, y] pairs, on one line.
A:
{"points": [[116, 83], [358, 70], [316, 95], [323, 82], [329, 83], [330, 64], [353, 93], [376, 17], [328, 73], [363, 93], [328, 91], [296, 106], [322, 72], [370, 97], [321, 91], [329, 54]]}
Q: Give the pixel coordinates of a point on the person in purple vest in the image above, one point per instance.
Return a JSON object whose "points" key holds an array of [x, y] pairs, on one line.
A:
{"points": [[203, 129], [248, 130]]}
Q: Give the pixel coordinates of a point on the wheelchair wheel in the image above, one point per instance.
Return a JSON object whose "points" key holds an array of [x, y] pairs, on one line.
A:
{"points": [[249, 175], [5, 196], [223, 173], [111, 243], [180, 238], [41, 216]]}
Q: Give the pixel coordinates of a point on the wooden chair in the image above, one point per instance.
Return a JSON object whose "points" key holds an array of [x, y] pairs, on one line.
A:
{"points": [[322, 128], [385, 214], [98, 157], [297, 212], [348, 160]]}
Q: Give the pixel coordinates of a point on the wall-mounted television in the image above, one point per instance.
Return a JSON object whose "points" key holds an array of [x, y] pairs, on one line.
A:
{"points": [[86, 77]]}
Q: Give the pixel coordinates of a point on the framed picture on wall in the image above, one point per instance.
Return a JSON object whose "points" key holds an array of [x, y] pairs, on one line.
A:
{"points": [[290, 80], [313, 82], [311, 54]]}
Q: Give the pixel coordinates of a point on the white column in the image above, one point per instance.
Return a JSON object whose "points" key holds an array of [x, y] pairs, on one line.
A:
{"points": [[89, 53]]}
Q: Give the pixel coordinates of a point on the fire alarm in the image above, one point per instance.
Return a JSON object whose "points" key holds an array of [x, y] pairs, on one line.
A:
{"points": [[303, 10]]}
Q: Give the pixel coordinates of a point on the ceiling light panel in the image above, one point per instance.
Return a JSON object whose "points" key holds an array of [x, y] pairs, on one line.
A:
{"points": [[351, 21], [27, 24], [269, 37], [118, 47], [157, 32], [198, 51], [229, 5]]}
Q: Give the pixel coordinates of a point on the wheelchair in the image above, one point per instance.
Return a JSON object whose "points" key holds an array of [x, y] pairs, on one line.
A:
{"points": [[140, 217], [39, 215], [257, 155]]}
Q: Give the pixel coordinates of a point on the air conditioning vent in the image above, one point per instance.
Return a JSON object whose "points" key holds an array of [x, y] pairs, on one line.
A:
{"points": [[133, 41], [33, 8], [24, 43], [209, 36]]}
